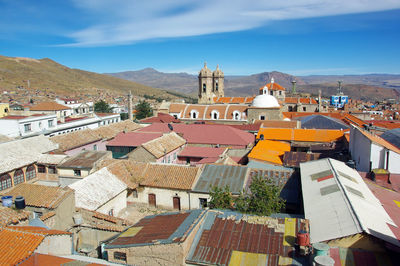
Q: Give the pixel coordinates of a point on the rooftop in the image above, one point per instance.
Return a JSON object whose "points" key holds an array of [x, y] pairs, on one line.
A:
{"points": [[84, 160], [269, 151], [39, 195], [306, 135], [48, 106], [10, 216], [160, 118], [201, 152], [133, 139], [165, 144]]}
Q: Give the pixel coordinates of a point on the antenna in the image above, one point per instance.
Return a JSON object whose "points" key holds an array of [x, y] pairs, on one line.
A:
{"points": [[340, 86]]}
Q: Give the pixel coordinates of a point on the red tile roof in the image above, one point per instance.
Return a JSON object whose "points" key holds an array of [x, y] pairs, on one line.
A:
{"points": [[201, 152], [272, 87], [133, 139], [161, 118], [206, 134], [301, 100]]}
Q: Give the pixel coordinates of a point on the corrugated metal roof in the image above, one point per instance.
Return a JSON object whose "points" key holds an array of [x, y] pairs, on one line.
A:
{"points": [[84, 159], [159, 229], [201, 152], [339, 206], [230, 238], [221, 175], [293, 159], [322, 122]]}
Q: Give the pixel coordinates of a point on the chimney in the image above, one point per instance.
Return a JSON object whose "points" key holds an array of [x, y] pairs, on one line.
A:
{"points": [[319, 101], [293, 87], [130, 109]]}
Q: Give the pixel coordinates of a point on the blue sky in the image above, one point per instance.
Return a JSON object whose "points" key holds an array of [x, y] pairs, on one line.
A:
{"points": [[299, 37]]}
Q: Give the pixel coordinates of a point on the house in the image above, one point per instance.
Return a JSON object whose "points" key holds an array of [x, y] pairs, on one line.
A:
{"points": [[100, 191], [61, 111], [370, 151], [125, 142], [163, 149], [18, 158], [231, 238], [206, 135], [76, 107], [342, 209], [46, 165], [200, 155], [167, 186], [79, 166], [163, 239], [46, 201], [4, 109], [26, 126], [20, 242], [234, 177]]}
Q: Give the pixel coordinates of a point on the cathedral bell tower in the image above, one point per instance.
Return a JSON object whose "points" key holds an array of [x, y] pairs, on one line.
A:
{"points": [[211, 84]]}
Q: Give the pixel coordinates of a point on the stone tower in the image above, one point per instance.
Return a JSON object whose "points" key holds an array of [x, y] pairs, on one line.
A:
{"points": [[130, 107], [211, 84]]}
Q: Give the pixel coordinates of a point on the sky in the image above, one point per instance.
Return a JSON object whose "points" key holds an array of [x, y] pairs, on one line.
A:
{"points": [[301, 37]]}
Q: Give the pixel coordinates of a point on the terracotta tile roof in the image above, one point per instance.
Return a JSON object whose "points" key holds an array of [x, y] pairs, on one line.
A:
{"points": [[219, 108], [199, 108], [235, 100], [49, 106], [110, 131], [169, 176], [307, 135], [39, 195], [269, 151], [177, 107], [201, 152], [129, 172], [101, 221], [240, 108], [48, 215], [38, 230], [165, 144], [133, 139], [272, 87], [301, 100], [84, 160], [75, 139], [44, 259], [10, 216], [160, 118], [380, 141]]}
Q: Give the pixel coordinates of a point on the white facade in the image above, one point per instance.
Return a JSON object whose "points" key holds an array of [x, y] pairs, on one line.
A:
{"points": [[115, 205], [27, 126], [164, 197]]}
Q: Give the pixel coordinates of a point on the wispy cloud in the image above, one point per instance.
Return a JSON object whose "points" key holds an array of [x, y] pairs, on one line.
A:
{"points": [[124, 22]]}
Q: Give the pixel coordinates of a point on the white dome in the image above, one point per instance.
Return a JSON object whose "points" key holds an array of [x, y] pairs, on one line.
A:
{"points": [[265, 101]]}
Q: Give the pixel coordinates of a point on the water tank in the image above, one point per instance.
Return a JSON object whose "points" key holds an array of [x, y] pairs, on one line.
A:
{"points": [[19, 202], [323, 261], [321, 249], [6, 201], [303, 238]]}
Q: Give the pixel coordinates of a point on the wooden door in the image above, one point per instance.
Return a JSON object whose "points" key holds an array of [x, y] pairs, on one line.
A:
{"points": [[152, 200], [177, 203]]}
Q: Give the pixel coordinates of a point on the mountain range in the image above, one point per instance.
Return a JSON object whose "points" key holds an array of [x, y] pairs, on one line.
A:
{"points": [[373, 86]]}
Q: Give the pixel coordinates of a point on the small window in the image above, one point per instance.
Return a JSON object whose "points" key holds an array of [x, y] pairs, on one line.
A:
{"points": [[280, 92], [262, 117], [5, 181], [120, 256], [77, 172], [52, 170], [204, 87], [111, 212], [304, 108], [27, 127], [95, 147], [41, 168], [50, 123], [203, 202]]}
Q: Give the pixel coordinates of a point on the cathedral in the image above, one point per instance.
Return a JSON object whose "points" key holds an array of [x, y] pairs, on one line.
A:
{"points": [[211, 85]]}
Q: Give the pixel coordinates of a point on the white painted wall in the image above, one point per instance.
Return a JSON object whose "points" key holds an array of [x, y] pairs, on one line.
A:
{"points": [[116, 204], [16, 127], [360, 149], [195, 199], [9, 128], [378, 156], [394, 162], [164, 197]]}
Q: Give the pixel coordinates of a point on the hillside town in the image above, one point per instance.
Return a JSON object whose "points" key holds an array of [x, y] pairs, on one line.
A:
{"points": [[278, 178]]}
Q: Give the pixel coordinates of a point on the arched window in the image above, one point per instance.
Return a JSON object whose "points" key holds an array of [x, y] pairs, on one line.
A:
{"points": [[194, 114], [236, 115], [214, 114], [30, 172], [5, 181], [18, 177]]}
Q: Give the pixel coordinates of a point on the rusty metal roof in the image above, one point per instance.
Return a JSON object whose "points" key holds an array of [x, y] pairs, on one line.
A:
{"points": [[293, 159], [221, 175], [84, 159], [230, 238], [157, 229]]}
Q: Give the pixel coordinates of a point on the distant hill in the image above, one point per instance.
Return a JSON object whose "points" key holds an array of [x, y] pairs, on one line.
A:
{"points": [[373, 87], [46, 73]]}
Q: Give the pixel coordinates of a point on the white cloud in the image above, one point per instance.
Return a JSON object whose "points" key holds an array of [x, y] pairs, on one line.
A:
{"points": [[124, 22]]}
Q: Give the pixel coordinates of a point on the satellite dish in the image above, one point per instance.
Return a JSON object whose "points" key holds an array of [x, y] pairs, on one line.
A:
{"points": [[170, 127]]}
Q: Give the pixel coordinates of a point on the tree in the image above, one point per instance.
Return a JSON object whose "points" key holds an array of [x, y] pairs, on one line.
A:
{"points": [[143, 110], [262, 199], [221, 198], [102, 107]]}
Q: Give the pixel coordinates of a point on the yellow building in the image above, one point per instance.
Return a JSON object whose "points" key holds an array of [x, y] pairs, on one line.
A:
{"points": [[4, 109]]}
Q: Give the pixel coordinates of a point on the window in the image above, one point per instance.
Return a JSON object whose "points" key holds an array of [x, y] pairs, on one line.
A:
{"points": [[30, 172], [216, 85], [280, 92], [41, 168], [111, 212], [204, 87], [77, 172], [175, 155], [120, 256], [27, 127], [5, 181], [40, 124], [262, 117], [95, 147], [203, 202], [50, 122], [304, 108], [18, 177], [271, 92], [214, 114], [52, 170], [65, 113], [169, 159], [236, 115], [194, 114]]}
